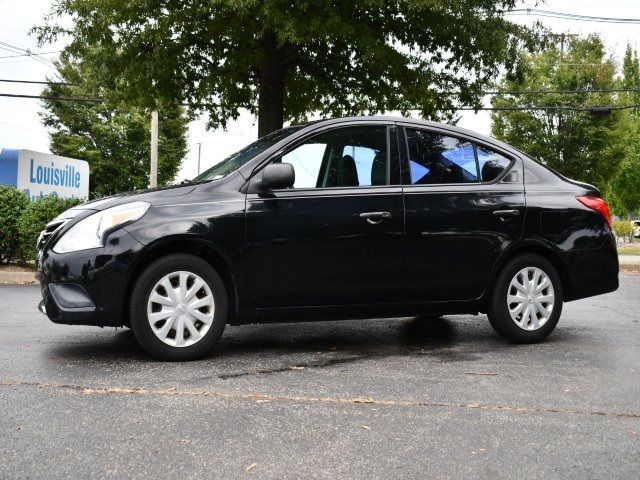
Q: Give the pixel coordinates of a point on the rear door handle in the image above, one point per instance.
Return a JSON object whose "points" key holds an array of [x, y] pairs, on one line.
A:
{"points": [[505, 214], [375, 217]]}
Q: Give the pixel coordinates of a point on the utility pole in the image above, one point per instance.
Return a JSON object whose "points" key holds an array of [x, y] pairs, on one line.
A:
{"points": [[153, 177], [199, 150]]}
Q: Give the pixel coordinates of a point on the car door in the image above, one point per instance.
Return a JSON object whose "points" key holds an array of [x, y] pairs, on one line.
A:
{"points": [[465, 205], [334, 238]]}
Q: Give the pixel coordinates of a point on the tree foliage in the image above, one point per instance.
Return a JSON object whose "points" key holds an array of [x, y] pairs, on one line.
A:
{"points": [[282, 59], [575, 143], [625, 187], [113, 137]]}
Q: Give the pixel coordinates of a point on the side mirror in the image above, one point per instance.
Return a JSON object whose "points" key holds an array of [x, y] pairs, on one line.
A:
{"points": [[278, 175]]}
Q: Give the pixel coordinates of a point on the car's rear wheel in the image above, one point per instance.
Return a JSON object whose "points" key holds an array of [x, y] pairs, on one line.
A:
{"points": [[179, 307], [527, 298]]}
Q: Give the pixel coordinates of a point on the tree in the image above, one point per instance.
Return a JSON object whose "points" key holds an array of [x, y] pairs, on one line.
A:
{"points": [[625, 186], [625, 189], [112, 136], [281, 59], [573, 142]]}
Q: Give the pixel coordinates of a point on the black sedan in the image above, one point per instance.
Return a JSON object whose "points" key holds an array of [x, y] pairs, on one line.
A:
{"points": [[343, 218]]}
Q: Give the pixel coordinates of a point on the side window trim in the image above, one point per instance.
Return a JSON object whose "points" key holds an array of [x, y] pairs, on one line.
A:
{"points": [[475, 155]]}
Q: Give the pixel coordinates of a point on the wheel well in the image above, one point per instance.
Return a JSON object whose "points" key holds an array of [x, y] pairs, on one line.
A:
{"points": [[542, 251], [192, 247]]}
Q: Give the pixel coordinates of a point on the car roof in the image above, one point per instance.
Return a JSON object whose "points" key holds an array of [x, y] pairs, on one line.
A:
{"points": [[453, 129]]}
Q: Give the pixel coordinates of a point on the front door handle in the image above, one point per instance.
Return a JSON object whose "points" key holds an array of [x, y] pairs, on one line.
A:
{"points": [[375, 217], [506, 214]]}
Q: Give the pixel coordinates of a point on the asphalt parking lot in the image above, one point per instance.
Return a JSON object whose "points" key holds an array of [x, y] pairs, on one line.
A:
{"points": [[394, 398]]}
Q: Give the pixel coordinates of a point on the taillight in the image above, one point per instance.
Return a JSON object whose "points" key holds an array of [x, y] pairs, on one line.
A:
{"points": [[597, 204]]}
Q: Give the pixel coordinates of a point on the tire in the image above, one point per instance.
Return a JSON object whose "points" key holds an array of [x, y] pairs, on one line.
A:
{"points": [[541, 311], [206, 311]]}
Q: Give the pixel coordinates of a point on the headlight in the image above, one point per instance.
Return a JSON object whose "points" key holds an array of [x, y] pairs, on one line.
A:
{"points": [[89, 232]]}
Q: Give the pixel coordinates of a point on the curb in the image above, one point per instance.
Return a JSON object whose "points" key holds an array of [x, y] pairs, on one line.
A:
{"points": [[17, 278], [629, 259]]}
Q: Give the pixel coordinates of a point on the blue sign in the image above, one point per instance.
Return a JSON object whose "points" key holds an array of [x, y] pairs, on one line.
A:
{"points": [[38, 174]]}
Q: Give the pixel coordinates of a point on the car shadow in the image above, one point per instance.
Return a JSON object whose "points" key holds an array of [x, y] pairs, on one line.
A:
{"points": [[121, 346], [292, 344]]}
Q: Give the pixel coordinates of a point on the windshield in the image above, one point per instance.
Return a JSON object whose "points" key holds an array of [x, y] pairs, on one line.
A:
{"points": [[238, 159]]}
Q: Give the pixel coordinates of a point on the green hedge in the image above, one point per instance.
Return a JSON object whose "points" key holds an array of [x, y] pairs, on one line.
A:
{"points": [[623, 229], [21, 221], [12, 204], [35, 217]]}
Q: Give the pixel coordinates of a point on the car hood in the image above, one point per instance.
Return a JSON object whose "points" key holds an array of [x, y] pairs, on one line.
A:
{"points": [[154, 196]]}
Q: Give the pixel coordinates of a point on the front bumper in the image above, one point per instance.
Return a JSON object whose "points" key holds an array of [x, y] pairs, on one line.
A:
{"points": [[88, 287], [68, 303]]}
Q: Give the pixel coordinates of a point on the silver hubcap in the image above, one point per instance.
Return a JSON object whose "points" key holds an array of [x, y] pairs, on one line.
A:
{"points": [[530, 298], [180, 309]]}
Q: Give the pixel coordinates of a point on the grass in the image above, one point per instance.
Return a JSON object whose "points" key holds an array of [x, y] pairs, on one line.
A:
{"points": [[629, 250]]}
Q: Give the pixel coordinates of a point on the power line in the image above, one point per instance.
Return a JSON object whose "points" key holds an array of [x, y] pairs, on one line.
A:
{"points": [[9, 49], [50, 97], [539, 92], [14, 49], [592, 109], [30, 54], [571, 16], [483, 92], [37, 82]]}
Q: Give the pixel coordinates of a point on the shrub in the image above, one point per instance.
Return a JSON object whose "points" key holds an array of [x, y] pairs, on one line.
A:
{"points": [[623, 229], [12, 204], [35, 217]]}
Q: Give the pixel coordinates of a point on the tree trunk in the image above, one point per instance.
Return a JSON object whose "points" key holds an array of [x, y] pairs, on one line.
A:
{"points": [[271, 90]]}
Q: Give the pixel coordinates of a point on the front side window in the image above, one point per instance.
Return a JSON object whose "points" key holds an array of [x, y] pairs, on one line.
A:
{"points": [[436, 159], [491, 163], [344, 157]]}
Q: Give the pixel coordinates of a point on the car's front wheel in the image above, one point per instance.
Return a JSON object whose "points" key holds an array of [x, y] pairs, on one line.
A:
{"points": [[179, 307], [527, 299]]}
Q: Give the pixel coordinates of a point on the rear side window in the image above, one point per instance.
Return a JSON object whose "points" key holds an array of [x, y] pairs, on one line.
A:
{"points": [[491, 163], [435, 159]]}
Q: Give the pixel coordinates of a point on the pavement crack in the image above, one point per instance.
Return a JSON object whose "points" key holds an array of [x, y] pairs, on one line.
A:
{"points": [[94, 390], [298, 366], [624, 314]]}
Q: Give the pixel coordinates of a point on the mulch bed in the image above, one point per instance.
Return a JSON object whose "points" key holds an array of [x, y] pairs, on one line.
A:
{"points": [[22, 267]]}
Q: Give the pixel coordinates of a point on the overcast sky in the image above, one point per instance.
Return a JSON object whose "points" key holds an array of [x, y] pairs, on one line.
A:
{"points": [[20, 123]]}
